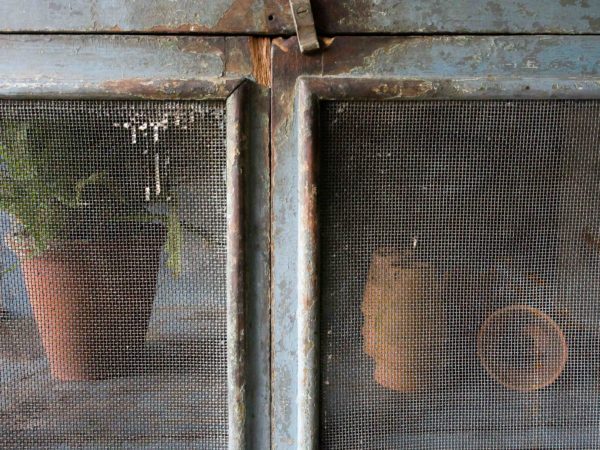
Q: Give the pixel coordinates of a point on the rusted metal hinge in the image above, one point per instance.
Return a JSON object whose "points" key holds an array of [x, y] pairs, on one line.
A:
{"points": [[305, 25]]}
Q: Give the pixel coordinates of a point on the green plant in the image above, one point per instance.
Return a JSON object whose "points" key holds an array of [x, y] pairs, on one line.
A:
{"points": [[54, 189]]}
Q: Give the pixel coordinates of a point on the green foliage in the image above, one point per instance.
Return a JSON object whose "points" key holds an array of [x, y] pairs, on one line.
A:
{"points": [[39, 198], [174, 239], [52, 186]]}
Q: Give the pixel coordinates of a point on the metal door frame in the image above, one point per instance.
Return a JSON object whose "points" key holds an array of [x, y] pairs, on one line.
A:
{"points": [[358, 68], [113, 75]]}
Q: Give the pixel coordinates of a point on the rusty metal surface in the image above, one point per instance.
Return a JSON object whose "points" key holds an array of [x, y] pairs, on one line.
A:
{"points": [[305, 25], [469, 56], [237, 141], [389, 89], [238, 51], [462, 16], [248, 267], [258, 229], [288, 62], [274, 16], [308, 263], [398, 68], [151, 16], [123, 66]]}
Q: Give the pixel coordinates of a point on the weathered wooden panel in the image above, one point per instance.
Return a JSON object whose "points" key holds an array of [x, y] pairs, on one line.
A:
{"points": [[155, 16], [274, 17], [143, 66], [459, 16]]}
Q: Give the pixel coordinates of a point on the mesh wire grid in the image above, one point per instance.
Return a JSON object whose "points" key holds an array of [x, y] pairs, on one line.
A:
{"points": [[460, 274], [104, 341]]}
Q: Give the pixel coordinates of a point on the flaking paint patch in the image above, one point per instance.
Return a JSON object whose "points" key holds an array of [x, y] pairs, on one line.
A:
{"points": [[594, 22], [582, 3], [465, 16], [407, 90], [207, 14], [495, 8], [160, 16], [476, 56], [94, 58]]}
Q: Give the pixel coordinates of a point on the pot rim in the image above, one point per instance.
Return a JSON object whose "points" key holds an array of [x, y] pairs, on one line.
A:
{"points": [[19, 243], [548, 320]]}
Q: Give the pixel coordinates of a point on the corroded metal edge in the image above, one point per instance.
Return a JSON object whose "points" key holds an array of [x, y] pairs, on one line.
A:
{"points": [[308, 267], [409, 88], [287, 63], [124, 67], [248, 233], [132, 89], [273, 16], [258, 229], [236, 320], [305, 25]]}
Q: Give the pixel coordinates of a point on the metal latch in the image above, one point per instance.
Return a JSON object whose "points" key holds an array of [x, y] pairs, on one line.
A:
{"points": [[305, 25]]}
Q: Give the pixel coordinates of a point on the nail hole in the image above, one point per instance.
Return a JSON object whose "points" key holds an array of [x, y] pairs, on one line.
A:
{"points": [[271, 17], [526, 88]]}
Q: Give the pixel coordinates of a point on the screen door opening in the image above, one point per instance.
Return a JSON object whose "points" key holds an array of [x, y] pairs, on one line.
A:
{"points": [[460, 274], [113, 286]]}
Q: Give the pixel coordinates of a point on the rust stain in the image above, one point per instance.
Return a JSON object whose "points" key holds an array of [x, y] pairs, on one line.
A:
{"points": [[200, 46], [260, 54], [405, 89], [183, 28], [238, 12], [164, 89], [237, 56], [282, 44], [345, 14], [236, 17], [327, 41]]}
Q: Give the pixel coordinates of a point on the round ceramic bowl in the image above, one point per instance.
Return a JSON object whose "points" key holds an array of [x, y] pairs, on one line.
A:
{"points": [[522, 348]]}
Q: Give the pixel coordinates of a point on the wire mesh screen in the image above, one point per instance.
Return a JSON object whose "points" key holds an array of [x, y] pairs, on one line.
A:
{"points": [[113, 286], [460, 274]]}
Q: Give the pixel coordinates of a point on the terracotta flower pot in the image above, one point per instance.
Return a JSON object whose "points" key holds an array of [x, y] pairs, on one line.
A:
{"points": [[405, 320], [522, 348], [92, 299]]}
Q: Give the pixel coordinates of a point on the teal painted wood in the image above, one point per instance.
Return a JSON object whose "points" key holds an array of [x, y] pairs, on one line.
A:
{"points": [[120, 65], [149, 16], [459, 16], [274, 17]]}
